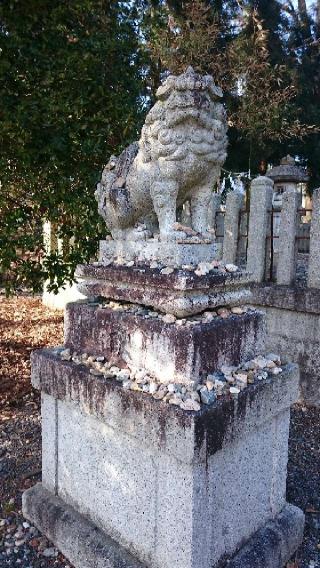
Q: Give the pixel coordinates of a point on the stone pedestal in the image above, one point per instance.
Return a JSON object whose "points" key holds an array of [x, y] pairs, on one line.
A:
{"points": [[132, 481], [149, 250], [167, 351], [182, 292]]}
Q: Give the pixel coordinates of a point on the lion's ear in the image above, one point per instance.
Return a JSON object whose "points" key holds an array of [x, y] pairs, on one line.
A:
{"points": [[166, 88]]}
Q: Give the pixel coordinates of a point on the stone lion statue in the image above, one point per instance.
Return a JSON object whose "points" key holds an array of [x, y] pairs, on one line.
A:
{"points": [[177, 159]]}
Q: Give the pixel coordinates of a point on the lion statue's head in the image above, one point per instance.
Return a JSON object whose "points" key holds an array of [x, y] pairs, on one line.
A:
{"points": [[188, 118]]}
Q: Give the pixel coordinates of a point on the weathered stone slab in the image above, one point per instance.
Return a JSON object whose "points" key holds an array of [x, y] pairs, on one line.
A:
{"points": [[168, 351], [273, 545], [87, 546], [293, 330], [168, 253], [288, 298], [106, 399], [181, 293], [175, 488], [78, 539]]}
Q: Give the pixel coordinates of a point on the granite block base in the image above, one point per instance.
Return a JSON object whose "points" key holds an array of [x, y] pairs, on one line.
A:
{"points": [[86, 546], [176, 489], [153, 250], [181, 292]]}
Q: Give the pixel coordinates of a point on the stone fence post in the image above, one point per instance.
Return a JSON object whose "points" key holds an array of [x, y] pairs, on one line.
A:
{"points": [[234, 204], [314, 256], [53, 244], [260, 206], [286, 269], [50, 238], [214, 208]]}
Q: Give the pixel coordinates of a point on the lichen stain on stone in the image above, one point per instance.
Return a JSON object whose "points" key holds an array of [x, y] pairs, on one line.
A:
{"points": [[67, 381], [210, 341], [211, 426], [222, 419]]}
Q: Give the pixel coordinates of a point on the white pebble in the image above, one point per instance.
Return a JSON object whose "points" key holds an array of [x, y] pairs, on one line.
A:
{"points": [[237, 310], [231, 268], [191, 405], [169, 318], [166, 270]]}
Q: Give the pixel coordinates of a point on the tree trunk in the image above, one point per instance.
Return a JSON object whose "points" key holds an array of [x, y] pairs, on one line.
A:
{"points": [[302, 5], [303, 13]]}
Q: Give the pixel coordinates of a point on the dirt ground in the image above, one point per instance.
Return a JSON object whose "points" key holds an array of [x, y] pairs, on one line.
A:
{"points": [[26, 325]]}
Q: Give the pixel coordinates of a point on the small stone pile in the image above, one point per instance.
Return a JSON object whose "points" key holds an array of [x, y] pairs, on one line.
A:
{"points": [[226, 382], [201, 269], [22, 543], [205, 317]]}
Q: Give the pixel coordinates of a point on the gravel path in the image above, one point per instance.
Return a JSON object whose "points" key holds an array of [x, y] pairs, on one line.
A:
{"points": [[20, 468], [303, 484]]}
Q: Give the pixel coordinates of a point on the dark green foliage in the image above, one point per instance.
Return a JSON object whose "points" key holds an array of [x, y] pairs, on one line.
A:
{"points": [[76, 78], [276, 109], [71, 92]]}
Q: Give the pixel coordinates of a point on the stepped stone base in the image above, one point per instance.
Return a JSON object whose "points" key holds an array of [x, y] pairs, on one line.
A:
{"points": [[167, 351], [87, 546], [181, 293]]}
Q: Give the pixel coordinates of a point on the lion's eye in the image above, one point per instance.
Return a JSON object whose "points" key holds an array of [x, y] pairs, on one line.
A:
{"points": [[165, 137], [196, 137]]}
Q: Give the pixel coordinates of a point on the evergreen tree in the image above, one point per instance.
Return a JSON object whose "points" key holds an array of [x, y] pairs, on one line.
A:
{"points": [[244, 46], [236, 46], [304, 49], [71, 93]]}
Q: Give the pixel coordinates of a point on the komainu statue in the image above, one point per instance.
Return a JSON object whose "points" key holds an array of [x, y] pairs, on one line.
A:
{"points": [[177, 159]]}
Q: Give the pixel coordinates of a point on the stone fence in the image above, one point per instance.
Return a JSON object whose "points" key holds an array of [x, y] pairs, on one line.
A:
{"points": [[261, 238], [284, 261], [291, 303]]}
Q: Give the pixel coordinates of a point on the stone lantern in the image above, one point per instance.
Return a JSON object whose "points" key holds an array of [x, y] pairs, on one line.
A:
{"points": [[287, 177]]}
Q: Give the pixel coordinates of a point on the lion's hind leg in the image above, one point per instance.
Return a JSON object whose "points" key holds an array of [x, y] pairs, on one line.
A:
{"points": [[200, 209]]}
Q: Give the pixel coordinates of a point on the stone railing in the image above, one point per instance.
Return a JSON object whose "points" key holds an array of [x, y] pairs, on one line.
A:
{"points": [[291, 300], [292, 237], [231, 227]]}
